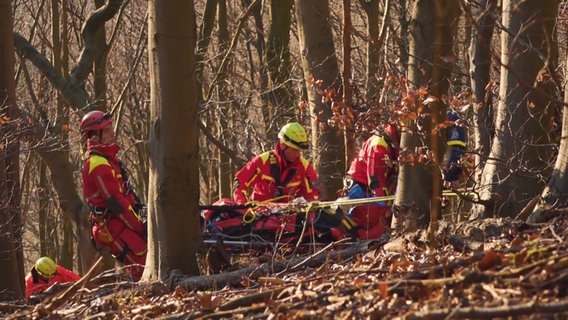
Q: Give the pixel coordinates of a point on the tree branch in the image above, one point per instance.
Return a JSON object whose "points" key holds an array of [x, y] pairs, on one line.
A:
{"points": [[95, 21], [531, 308], [26, 51]]}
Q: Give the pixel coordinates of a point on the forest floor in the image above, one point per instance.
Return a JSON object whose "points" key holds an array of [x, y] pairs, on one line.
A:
{"points": [[494, 268]]}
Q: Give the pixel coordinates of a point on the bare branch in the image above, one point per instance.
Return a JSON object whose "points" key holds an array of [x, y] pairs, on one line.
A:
{"points": [[95, 21]]}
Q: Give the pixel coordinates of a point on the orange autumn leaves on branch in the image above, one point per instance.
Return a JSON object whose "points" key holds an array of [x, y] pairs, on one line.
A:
{"points": [[413, 105]]}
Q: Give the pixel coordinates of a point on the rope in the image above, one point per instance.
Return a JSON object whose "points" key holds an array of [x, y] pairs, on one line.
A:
{"points": [[323, 204], [252, 206]]}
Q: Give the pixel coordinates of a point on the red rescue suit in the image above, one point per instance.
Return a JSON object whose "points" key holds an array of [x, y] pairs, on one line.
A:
{"points": [[36, 283], [373, 172], [115, 223], [297, 179], [374, 166]]}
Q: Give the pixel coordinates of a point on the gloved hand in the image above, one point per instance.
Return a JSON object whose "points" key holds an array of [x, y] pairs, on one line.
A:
{"points": [[300, 202], [329, 217]]}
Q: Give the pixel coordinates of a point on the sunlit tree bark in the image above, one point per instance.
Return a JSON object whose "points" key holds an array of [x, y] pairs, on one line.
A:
{"points": [[521, 149], [320, 64], [224, 105], [12, 266], [430, 63], [174, 236], [555, 195], [480, 65], [280, 96], [60, 63]]}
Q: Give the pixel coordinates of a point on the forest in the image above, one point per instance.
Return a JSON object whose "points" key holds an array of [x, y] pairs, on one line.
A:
{"points": [[198, 88]]}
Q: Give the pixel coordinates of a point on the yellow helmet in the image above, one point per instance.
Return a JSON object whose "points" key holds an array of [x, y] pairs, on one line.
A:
{"points": [[45, 267], [294, 136]]}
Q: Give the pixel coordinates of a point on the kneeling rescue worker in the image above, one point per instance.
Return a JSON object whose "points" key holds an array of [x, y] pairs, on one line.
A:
{"points": [[45, 273], [281, 174], [284, 175], [373, 173], [115, 208]]}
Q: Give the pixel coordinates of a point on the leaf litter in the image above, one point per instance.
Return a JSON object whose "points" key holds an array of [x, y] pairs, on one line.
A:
{"points": [[492, 268]]}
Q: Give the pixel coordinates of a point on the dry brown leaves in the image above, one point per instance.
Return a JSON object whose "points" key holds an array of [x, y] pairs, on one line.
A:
{"points": [[487, 269]]}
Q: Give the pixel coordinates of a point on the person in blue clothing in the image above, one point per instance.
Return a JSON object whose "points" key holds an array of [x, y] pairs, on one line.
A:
{"points": [[456, 148]]}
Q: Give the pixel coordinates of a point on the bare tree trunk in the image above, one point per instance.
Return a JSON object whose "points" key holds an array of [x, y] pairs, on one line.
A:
{"points": [[12, 267], [319, 63], [430, 63], [208, 23], [371, 8], [203, 43], [46, 225], [259, 45], [555, 195], [224, 174], [66, 254], [280, 96], [349, 132], [480, 70], [447, 13], [174, 236], [414, 187], [99, 65], [404, 21], [521, 149]]}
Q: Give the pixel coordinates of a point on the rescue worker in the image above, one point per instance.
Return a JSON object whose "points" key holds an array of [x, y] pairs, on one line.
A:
{"points": [[45, 273], [116, 223], [281, 174], [373, 173], [456, 147]]}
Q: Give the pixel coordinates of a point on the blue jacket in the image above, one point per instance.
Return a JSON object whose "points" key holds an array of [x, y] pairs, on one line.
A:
{"points": [[456, 146]]}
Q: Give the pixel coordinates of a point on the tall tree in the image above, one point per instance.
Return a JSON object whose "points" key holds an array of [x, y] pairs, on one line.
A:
{"points": [[60, 63], [225, 176], [100, 65], [346, 72], [555, 195], [480, 65], [174, 234], [321, 72], [278, 64], [376, 39], [207, 25], [12, 267], [521, 149], [431, 60]]}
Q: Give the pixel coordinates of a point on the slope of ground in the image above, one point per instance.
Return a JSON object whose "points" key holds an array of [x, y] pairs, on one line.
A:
{"points": [[485, 269]]}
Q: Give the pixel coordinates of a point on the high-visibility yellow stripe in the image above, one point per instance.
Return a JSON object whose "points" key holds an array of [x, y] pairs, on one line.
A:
{"points": [[249, 181], [96, 160], [457, 143], [379, 141]]}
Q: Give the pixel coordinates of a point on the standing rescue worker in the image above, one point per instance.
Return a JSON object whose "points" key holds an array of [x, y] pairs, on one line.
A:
{"points": [[456, 147], [115, 219], [373, 173], [281, 174], [45, 273]]}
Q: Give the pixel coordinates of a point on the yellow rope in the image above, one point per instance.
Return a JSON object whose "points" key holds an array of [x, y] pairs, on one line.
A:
{"points": [[323, 204], [346, 202]]}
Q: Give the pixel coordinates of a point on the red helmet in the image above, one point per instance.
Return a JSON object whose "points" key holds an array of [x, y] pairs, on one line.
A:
{"points": [[393, 131], [94, 120]]}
